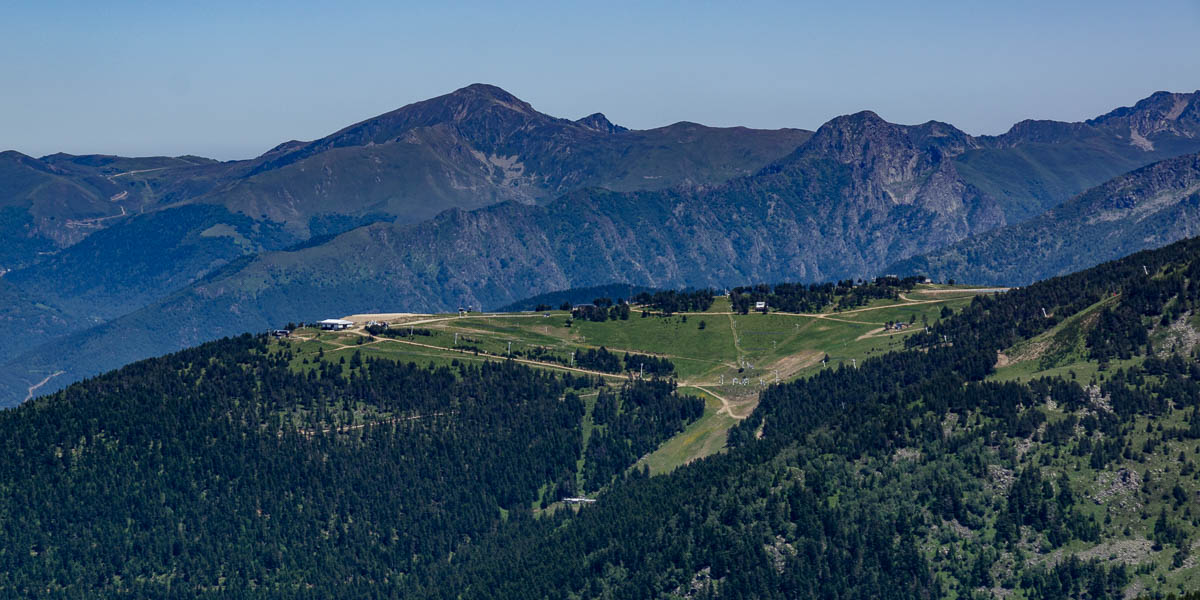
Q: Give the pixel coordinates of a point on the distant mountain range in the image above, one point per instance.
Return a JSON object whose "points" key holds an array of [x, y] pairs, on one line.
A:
{"points": [[473, 147], [1143, 209], [99, 236], [476, 198]]}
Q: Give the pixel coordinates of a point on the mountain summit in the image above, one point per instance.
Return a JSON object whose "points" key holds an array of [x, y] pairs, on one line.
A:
{"points": [[481, 145], [1161, 114], [599, 122]]}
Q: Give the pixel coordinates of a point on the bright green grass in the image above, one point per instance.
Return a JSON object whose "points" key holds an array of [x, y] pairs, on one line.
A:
{"points": [[667, 335], [704, 437], [720, 304], [495, 334], [1060, 351]]}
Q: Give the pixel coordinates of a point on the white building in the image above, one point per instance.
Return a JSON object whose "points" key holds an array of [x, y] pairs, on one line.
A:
{"points": [[335, 324]]}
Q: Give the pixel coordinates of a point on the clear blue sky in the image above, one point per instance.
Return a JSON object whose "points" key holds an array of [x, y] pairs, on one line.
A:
{"points": [[231, 79]]}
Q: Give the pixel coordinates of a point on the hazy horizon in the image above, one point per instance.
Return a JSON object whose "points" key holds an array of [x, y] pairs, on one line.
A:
{"points": [[229, 82]]}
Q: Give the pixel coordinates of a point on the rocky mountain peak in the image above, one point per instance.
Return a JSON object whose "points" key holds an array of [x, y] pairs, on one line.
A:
{"points": [[482, 114], [599, 122], [1176, 114], [13, 155], [856, 138], [14, 159], [851, 138], [481, 95], [885, 151], [886, 165], [285, 147], [476, 111], [1167, 106]]}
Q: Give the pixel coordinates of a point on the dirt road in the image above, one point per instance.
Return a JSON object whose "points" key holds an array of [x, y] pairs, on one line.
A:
{"points": [[34, 388]]}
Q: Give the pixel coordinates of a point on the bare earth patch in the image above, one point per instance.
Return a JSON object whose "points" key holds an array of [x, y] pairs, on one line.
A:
{"points": [[792, 364], [366, 318], [1002, 360]]}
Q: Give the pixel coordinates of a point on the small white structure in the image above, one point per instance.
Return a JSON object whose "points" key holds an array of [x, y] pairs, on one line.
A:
{"points": [[335, 324], [760, 306]]}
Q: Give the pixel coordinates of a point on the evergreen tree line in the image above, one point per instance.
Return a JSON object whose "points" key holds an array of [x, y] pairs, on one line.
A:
{"points": [[670, 301], [601, 359], [816, 297], [600, 310], [397, 330]]}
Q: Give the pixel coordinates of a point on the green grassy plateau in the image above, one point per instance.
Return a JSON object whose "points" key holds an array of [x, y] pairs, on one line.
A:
{"points": [[727, 361]]}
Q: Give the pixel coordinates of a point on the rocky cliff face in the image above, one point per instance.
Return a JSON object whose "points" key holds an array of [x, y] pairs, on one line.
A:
{"points": [[1162, 115], [1159, 117], [906, 165], [599, 122], [1147, 208]]}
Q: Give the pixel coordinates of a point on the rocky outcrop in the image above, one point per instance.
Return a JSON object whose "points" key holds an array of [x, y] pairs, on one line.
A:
{"points": [[599, 122], [1147, 208]]}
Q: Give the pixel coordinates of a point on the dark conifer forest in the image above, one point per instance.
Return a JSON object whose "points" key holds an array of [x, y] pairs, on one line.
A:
{"points": [[220, 471]]}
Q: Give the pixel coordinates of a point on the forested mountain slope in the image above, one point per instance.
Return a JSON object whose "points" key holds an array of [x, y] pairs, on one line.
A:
{"points": [[238, 469], [232, 467], [917, 474], [1147, 208]]}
